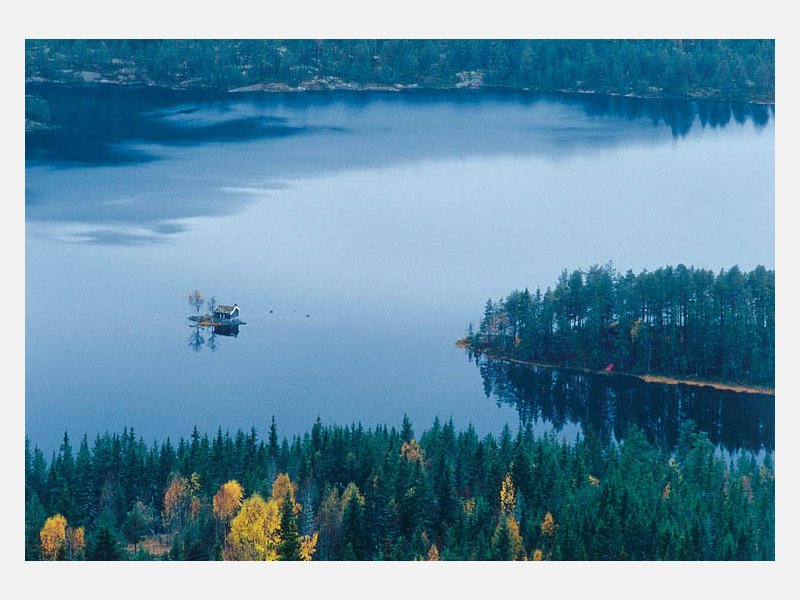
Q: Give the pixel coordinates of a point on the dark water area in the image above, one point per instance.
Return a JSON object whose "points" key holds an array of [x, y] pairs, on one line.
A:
{"points": [[360, 233], [609, 405], [87, 122]]}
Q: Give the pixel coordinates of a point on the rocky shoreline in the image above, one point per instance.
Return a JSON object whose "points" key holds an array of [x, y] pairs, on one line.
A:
{"points": [[466, 81]]}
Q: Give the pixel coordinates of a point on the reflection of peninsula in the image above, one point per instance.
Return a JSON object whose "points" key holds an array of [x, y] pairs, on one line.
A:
{"points": [[611, 404]]}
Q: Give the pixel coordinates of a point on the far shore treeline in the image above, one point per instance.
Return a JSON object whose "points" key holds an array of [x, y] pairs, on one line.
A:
{"points": [[718, 69], [674, 321], [349, 493]]}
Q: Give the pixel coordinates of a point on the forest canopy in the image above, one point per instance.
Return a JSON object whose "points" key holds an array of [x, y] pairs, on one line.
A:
{"points": [[679, 321], [349, 493], [720, 69]]}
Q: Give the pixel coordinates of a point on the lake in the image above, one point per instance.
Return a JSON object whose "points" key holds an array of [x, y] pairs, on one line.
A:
{"points": [[360, 233]]}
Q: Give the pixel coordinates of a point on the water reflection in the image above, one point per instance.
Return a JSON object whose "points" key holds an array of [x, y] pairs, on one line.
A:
{"points": [[681, 115], [197, 339], [92, 124], [611, 404], [226, 329], [128, 166]]}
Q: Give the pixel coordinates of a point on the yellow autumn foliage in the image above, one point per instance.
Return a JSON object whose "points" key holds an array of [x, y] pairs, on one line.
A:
{"points": [[593, 481], [549, 525], [227, 500], [53, 536], [255, 531], [508, 499], [352, 494], [308, 545], [538, 555], [514, 537]]}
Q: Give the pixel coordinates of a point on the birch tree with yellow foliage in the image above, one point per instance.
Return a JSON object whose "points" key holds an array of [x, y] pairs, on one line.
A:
{"points": [[255, 531], [53, 536]]}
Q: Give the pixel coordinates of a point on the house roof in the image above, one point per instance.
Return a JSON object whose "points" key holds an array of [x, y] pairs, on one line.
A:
{"points": [[225, 308]]}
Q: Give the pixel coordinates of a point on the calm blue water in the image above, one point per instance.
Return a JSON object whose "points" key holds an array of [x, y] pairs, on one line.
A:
{"points": [[388, 219]]}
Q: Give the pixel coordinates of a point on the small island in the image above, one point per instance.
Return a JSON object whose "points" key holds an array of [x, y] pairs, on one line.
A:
{"points": [[221, 319], [218, 315]]}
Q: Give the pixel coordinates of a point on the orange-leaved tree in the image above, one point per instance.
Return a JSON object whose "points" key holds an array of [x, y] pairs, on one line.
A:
{"points": [[226, 503], [176, 502], [281, 486]]}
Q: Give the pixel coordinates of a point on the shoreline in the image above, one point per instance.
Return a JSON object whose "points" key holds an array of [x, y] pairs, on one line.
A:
{"points": [[345, 86], [663, 379]]}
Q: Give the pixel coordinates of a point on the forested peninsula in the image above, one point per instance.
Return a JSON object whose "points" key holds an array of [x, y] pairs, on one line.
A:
{"points": [[349, 493], [718, 69], [674, 322]]}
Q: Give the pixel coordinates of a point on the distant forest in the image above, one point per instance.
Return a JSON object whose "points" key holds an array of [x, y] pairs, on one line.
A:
{"points": [[720, 69], [346, 493], [675, 321]]}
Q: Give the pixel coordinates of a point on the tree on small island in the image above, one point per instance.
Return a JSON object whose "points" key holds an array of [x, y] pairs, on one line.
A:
{"points": [[197, 299]]}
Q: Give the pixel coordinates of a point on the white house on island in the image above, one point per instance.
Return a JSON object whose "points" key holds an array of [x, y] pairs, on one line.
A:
{"points": [[225, 312]]}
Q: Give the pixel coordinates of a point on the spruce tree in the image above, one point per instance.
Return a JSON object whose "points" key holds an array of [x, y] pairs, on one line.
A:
{"points": [[289, 547]]}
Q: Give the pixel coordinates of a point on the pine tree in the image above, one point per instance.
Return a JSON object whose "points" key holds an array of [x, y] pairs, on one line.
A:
{"points": [[289, 546], [105, 543]]}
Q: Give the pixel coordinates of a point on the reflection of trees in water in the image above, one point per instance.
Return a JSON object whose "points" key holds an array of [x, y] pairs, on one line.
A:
{"points": [[93, 124], [197, 340], [679, 115], [611, 404]]}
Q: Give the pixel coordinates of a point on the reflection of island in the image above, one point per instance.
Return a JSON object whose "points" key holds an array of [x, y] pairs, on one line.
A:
{"points": [[611, 404], [227, 329]]}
